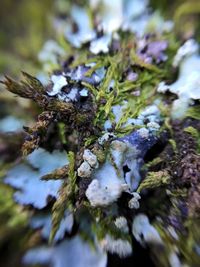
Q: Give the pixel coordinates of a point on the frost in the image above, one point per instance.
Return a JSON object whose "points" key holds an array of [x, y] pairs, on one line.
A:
{"points": [[65, 254], [144, 232], [34, 191], [45, 223], [121, 247]]}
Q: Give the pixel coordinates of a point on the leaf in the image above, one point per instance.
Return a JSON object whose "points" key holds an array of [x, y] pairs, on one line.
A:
{"points": [[17, 88], [193, 112], [29, 87], [141, 63], [60, 173], [34, 83], [65, 198], [59, 209]]}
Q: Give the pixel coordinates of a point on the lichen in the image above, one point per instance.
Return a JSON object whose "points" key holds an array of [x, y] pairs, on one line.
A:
{"points": [[110, 164]]}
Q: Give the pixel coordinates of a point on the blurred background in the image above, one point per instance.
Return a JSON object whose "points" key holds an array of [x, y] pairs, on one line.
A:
{"points": [[24, 27]]}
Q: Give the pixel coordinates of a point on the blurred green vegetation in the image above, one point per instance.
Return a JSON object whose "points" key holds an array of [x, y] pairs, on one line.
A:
{"points": [[25, 25], [184, 13]]}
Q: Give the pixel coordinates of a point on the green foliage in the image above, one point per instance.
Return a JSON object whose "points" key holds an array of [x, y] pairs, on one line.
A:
{"points": [[66, 196], [194, 112], [154, 179]]}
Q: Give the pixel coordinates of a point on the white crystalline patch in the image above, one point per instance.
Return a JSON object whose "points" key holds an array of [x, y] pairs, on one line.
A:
{"points": [[189, 48], [90, 158], [106, 187], [144, 232], [101, 44], [67, 254], [11, 124], [34, 191], [118, 246], [45, 223], [59, 81]]}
